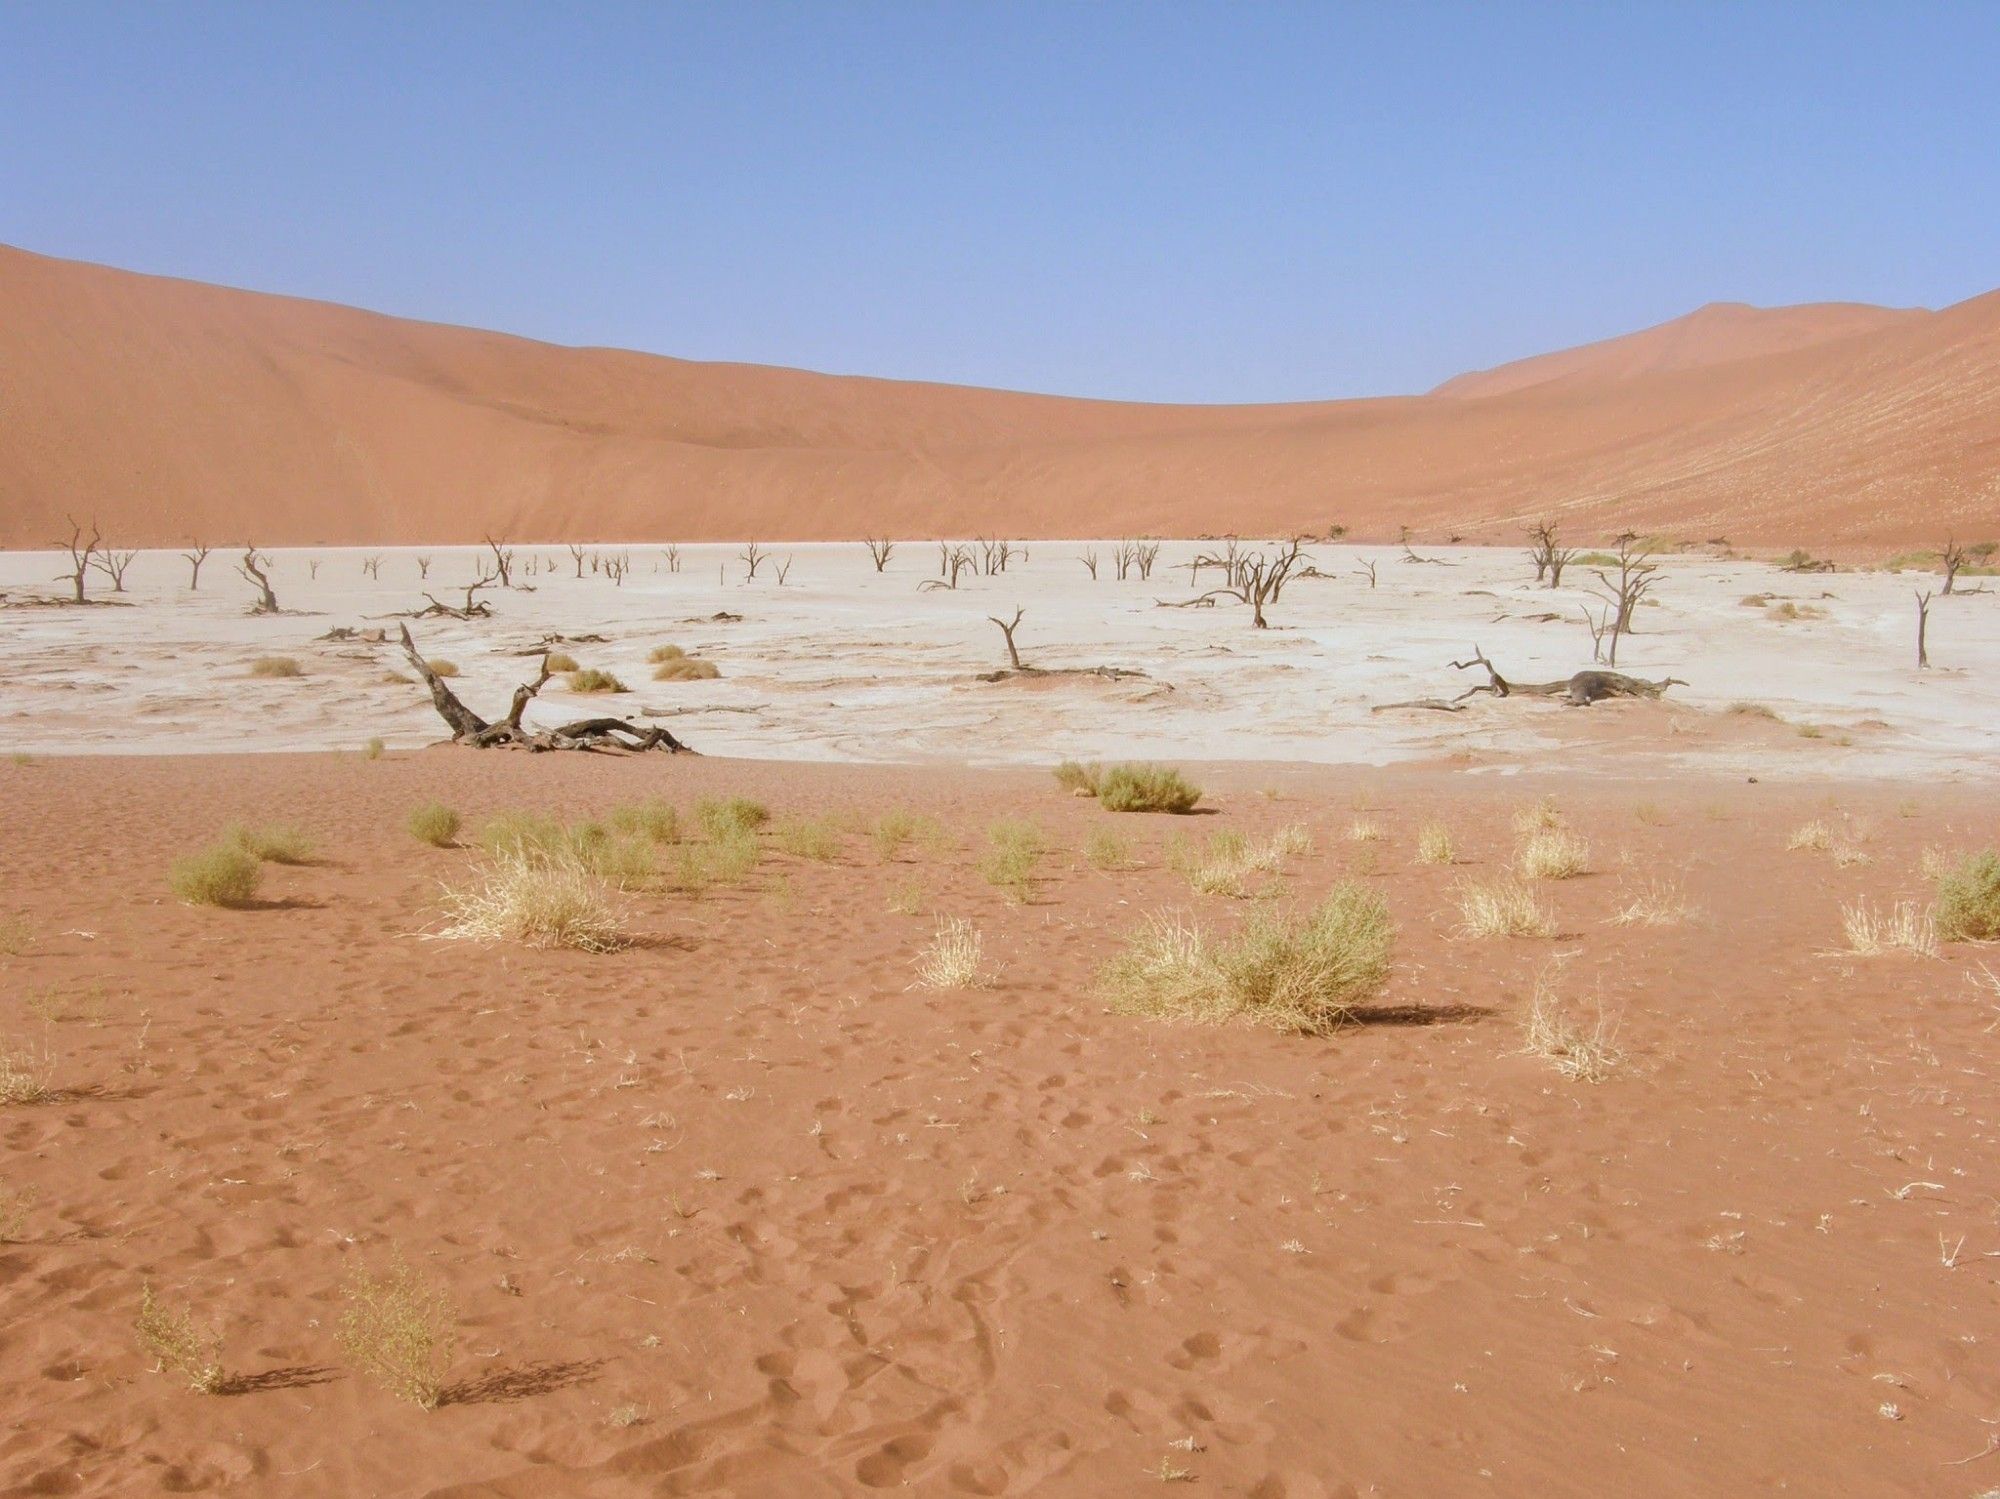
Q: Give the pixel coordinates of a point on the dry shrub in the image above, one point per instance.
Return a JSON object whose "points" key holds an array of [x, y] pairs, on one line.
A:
{"points": [[590, 679], [1968, 899], [1292, 973], [736, 814], [26, 1076], [1542, 816], [951, 959], [1104, 849], [276, 666], [1078, 778], [401, 1330], [440, 667], [436, 824], [1658, 902], [686, 669], [223, 875], [1231, 858], [1146, 788], [273, 843], [1550, 1031], [1905, 926], [662, 653], [1361, 830], [1502, 908], [1435, 845], [538, 899], [808, 837], [1814, 835], [16, 936], [1552, 855], [177, 1346], [14, 1210], [560, 661]]}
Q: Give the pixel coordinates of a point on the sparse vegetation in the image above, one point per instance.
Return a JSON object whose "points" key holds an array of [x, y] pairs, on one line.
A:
{"points": [[223, 875], [1550, 1031], [1104, 849], [1552, 854], [1435, 845], [374, 748], [663, 653], [1540, 816], [891, 831], [686, 669], [808, 837], [1657, 902], [736, 814], [536, 898], [401, 1330], [1078, 778], [177, 1346], [1231, 858], [590, 679], [436, 824], [1015, 849], [26, 1077], [1293, 973], [14, 1210], [1362, 830], [1968, 899], [653, 818], [555, 661], [952, 957], [1905, 926], [276, 666], [271, 843], [1502, 908]]}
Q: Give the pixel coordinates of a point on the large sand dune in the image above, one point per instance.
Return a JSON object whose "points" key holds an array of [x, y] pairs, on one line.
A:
{"points": [[167, 409]]}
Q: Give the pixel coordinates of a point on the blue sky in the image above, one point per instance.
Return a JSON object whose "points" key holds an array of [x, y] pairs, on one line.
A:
{"points": [[1158, 200]]}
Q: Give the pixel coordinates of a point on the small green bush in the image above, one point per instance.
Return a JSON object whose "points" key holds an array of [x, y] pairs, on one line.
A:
{"points": [[1146, 788], [223, 875], [436, 824], [1968, 899]]}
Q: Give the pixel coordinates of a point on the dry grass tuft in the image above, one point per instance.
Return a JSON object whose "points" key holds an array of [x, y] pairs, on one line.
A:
{"points": [[1814, 835], [276, 666], [538, 899], [1753, 710], [1435, 845], [1551, 855], [1231, 858], [177, 1346], [1968, 899], [735, 814], [952, 958], [1079, 779], [1146, 788], [1551, 1032], [1361, 830], [436, 824], [273, 843], [1293, 973], [906, 897], [1009, 863], [686, 669], [1658, 902], [223, 875], [1104, 849], [653, 818], [663, 653], [401, 1330], [26, 1077], [559, 661], [1904, 927], [891, 831], [1504, 908], [1541, 816], [441, 667], [14, 1210], [808, 837], [373, 749], [590, 679]]}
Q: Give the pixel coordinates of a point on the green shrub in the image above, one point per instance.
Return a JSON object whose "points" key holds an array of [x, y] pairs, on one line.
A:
{"points": [[436, 824], [1968, 899], [223, 875], [1146, 788]]}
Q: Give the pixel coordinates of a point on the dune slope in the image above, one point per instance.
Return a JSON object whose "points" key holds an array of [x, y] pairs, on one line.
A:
{"points": [[170, 409]]}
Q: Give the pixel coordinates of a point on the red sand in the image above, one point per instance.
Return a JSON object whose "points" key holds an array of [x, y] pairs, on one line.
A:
{"points": [[169, 409], [824, 1233]]}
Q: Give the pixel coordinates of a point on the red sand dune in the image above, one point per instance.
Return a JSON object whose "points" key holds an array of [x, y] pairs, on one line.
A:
{"points": [[169, 409]]}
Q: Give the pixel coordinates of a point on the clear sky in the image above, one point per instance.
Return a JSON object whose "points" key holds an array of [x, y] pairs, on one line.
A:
{"points": [[1159, 200]]}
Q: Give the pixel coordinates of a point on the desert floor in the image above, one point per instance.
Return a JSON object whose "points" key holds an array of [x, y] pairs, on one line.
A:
{"points": [[842, 663], [739, 1210]]}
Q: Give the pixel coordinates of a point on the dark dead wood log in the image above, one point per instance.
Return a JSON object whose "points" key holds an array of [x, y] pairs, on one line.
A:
{"points": [[1580, 690], [469, 728]]}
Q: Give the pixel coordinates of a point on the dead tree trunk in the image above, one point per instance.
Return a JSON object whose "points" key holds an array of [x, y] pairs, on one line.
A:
{"points": [[195, 555], [1089, 561], [252, 569], [1007, 628], [81, 549], [469, 728], [1923, 630], [503, 561]]}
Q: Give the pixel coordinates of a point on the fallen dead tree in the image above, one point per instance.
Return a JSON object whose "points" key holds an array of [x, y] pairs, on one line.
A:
{"points": [[469, 728], [1577, 691]]}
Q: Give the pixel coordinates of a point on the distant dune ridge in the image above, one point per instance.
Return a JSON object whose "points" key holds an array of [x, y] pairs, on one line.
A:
{"points": [[172, 409]]}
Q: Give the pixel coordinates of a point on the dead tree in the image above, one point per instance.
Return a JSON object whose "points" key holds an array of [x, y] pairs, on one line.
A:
{"points": [[423, 569], [1123, 558], [1089, 561], [614, 569], [673, 556], [1923, 630], [1549, 556], [1579, 690], [503, 561], [1259, 580], [196, 554], [1367, 570], [577, 552], [373, 567], [1007, 628], [1144, 555], [1956, 557], [1226, 561], [112, 563], [471, 609], [81, 549], [784, 569], [252, 568], [1636, 577], [956, 560], [944, 558], [879, 550], [469, 728], [753, 558]]}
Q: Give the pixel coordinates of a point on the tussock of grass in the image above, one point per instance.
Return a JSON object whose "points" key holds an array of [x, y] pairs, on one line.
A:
{"points": [[1968, 899], [1231, 858], [952, 957], [223, 875], [891, 831], [808, 837], [1657, 903], [727, 857], [1753, 710], [1292, 973], [1146, 788], [1361, 830], [276, 666], [401, 1330], [561, 661], [1549, 1031], [436, 824], [373, 749], [686, 669], [1905, 926], [735, 814], [1502, 908], [1435, 844], [1104, 849], [906, 898], [590, 679], [177, 1346], [535, 899], [1078, 778], [1814, 835], [652, 818], [272, 843], [1541, 816], [440, 667], [25, 1076], [663, 653], [1015, 849], [1551, 855]]}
